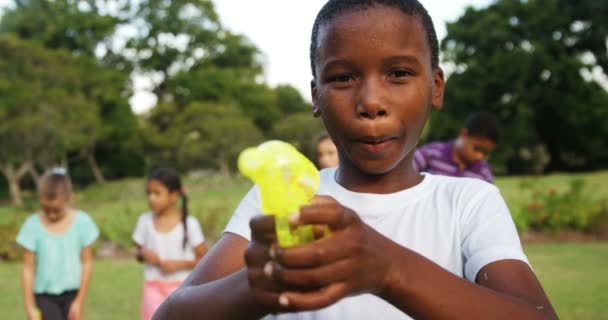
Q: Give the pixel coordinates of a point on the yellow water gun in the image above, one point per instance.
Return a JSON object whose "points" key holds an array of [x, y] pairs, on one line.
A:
{"points": [[287, 180]]}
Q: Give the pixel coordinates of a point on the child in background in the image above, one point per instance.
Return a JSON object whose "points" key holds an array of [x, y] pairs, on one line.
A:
{"points": [[327, 154], [402, 244], [169, 241], [58, 259], [466, 156]]}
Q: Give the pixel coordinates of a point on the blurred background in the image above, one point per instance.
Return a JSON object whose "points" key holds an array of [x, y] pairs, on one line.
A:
{"points": [[110, 89]]}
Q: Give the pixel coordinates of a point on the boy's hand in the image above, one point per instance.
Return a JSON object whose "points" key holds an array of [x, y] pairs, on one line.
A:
{"points": [[263, 236], [353, 259]]}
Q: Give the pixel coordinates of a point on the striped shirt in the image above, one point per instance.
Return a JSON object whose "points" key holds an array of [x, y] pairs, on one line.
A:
{"points": [[436, 158]]}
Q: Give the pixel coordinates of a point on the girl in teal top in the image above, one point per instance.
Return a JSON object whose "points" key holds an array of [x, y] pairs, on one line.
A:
{"points": [[57, 260]]}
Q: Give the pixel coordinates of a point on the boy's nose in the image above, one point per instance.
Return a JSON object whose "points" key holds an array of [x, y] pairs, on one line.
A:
{"points": [[370, 104]]}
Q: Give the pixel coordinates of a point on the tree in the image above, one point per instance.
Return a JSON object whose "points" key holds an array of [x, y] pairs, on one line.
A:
{"points": [[202, 135], [173, 36], [290, 100], [43, 112], [301, 130], [526, 61], [85, 28]]}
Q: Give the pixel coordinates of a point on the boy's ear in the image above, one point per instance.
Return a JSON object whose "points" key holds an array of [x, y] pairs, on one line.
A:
{"points": [[316, 111], [438, 88]]}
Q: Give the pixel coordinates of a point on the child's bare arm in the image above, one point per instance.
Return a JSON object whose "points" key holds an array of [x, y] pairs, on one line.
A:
{"points": [[217, 288], [27, 283], [77, 307], [146, 256], [175, 265], [357, 259]]}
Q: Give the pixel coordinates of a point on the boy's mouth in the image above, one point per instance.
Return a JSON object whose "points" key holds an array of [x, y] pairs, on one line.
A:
{"points": [[374, 144]]}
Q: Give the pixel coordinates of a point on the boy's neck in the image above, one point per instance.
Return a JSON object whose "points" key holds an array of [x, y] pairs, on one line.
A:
{"points": [[396, 180], [456, 157]]}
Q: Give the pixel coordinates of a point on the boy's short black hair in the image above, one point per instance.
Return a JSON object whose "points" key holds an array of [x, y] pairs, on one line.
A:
{"points": [[334, 8], [483, 124]]}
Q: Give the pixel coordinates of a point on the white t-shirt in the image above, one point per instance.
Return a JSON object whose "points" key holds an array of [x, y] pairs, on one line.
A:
{"points": [[462, 224], [168, 246]]}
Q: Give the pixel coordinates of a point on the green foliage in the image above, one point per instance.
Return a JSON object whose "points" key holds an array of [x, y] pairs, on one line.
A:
{"points": [[44, 112], [97, 74], [301, 130], [202, 135], [551, 210], [9, 228], [290, 101], [75, 25], [523, 60]]}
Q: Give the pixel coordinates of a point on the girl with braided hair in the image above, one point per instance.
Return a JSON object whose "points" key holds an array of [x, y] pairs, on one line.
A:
{"points": [[169, 241]]}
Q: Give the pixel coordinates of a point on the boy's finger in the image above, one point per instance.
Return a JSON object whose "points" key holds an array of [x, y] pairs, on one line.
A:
{"points": [[256, 254], [262, 228], [331, 214], [321, 252], [317, 199], [314, 300], [311, 278]]}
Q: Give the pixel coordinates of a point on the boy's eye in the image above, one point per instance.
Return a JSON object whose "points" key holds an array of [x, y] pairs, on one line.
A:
{"points": [[341, 78], [400, 73]]}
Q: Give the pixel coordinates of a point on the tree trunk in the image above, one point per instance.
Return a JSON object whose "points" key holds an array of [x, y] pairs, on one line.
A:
{"points": [[99, 178], [224, 168], [34, 174], [13, 177]]}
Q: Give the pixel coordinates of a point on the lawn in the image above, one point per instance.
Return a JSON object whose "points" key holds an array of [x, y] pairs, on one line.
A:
{"points": [[574, 276]]}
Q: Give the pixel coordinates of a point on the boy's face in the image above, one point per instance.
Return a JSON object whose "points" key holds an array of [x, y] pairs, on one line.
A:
{"points": [[327, 154], [159, 196], [375, 87], [472, 149]]}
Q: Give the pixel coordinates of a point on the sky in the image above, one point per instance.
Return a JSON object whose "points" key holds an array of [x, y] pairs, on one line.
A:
{"points": [[281, 30]]}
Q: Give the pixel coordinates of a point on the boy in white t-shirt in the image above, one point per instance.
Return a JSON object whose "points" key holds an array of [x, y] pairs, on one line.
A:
{"points": [[169, 242], [402, 245]]}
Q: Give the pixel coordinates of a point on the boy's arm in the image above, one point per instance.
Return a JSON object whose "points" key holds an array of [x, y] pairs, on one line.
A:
{"points": [[27, 282], [506, 289], [218, 288], [356, 258]]}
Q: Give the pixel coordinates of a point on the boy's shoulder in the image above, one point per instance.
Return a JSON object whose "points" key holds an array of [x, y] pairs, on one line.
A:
{"points": [[436, 149], [462, 190]]}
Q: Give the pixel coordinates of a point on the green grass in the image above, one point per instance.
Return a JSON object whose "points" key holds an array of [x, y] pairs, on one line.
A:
{"points": [[116, 205], [573, 275], [115, 291]]}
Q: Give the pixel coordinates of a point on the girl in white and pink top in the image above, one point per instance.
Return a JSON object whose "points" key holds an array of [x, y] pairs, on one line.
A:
{"points": [[169, 242]]}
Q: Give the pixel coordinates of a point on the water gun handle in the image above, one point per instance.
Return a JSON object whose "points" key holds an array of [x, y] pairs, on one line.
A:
{"points": [[287, 180]]}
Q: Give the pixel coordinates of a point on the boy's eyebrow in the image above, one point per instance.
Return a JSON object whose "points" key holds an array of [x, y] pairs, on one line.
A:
{"points": [[410, 59], [336, 63], [402, 58]]}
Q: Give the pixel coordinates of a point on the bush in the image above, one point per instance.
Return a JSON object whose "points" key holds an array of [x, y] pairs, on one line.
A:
{"points": [[550, 210], [9, 228]]}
